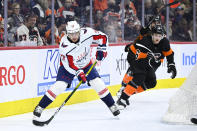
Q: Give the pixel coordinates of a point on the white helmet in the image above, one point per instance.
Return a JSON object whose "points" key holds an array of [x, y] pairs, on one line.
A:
{"points": [[72, 27]]}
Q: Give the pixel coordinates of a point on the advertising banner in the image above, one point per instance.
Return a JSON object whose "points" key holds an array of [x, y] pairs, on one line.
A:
{"points": [[29, 73], [17, 74]]}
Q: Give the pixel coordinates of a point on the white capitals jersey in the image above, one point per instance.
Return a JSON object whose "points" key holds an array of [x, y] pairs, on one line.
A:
{"points": [[75, 56]]}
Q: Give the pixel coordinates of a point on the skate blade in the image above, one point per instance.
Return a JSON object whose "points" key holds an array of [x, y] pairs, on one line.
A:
{"points": [[121, 107]]}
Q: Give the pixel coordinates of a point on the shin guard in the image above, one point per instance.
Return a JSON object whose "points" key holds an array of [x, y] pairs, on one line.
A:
{"points": [[98, 85], [51, 94], [127, 77]]}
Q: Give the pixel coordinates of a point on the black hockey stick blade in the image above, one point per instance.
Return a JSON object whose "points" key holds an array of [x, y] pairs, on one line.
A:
{"points": [[194, 120], [39, 123], [42, 123]]}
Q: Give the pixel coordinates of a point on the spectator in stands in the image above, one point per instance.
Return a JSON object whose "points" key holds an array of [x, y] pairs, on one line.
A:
{"points": [[112, 19], [99, 21], [180, 33], [110, 28], [170, 28], [82, 14], [112, 10], [162, 14], [100, 5], [118, 34], [61, 28], [10, 10], [37, 9], [110, 31], [128, 30], [68, 10], [42, 24], [43, 3], [48, 11], [16, 18], [191, 27], [24, 6], [179, 13], [86, 21], [48, 35], [149, 10], [113, 6], [188, 10], [28, 34], [136, 28], [130, 10]]}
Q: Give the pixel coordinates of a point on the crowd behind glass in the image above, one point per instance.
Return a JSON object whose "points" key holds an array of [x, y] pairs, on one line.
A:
{"points": [[121, 20]]}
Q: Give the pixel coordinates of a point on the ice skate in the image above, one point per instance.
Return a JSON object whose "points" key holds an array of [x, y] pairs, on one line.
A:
{"points": [[121, 103], [114, 109], [37, 111]]}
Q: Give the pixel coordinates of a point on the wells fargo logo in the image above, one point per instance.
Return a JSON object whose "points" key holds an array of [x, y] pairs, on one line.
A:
{"points": [[12, 75]]}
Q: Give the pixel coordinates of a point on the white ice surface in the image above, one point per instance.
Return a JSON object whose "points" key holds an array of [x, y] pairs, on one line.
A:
{"points": [[144, 114]]}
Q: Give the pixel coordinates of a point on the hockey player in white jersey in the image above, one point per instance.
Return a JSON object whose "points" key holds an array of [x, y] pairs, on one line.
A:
{"points": [[75, 60]]}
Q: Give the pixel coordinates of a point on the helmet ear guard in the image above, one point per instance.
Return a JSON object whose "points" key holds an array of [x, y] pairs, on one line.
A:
{"points": [[72, 27]]}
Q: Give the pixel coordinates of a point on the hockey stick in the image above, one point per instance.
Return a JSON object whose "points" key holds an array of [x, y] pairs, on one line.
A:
{"points": [[43, 123], [194, 120], [162, 7]]}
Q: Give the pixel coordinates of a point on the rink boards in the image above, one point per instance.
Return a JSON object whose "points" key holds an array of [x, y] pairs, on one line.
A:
{"points": [[27, 73]]}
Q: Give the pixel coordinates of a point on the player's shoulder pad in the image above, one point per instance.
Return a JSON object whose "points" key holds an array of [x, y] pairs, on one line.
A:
{"points": [[145, 40], [64, 41], [86, 30], [90, 31]]}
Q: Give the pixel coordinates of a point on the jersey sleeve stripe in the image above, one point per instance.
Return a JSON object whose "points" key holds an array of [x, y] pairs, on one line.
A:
{"points": [[167, 53], [97, 37], [140, 55], [71, 63]]}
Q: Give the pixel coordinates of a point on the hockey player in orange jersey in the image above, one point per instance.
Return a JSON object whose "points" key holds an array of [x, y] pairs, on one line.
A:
{"points": [[144, 58]]}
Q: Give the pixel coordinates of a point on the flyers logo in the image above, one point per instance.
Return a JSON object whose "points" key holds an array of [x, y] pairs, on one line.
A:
{"points": [[157, 55]]}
